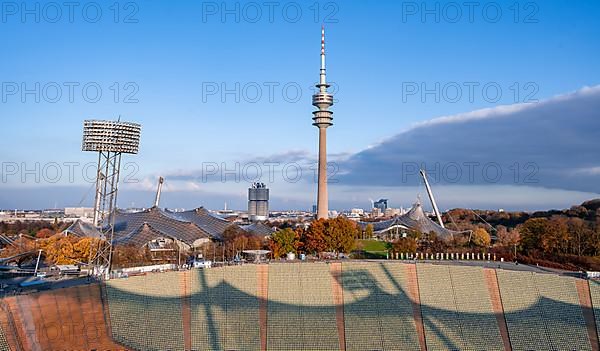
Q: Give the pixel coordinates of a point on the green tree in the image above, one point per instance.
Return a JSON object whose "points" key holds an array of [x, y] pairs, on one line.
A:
{"points": [[283, 241]]}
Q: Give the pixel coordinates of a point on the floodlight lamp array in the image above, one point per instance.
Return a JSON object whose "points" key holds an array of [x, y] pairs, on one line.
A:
{"points": [[111, 136]]}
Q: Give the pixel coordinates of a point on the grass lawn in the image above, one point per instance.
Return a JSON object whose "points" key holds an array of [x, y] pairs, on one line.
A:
{"points": [[373, 248]]}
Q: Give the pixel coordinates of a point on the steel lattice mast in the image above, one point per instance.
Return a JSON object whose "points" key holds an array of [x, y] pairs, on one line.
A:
{"points": [[110, 139], [322, 119]]}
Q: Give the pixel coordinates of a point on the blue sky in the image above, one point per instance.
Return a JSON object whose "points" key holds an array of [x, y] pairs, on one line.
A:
{"points": [[379, 52]]}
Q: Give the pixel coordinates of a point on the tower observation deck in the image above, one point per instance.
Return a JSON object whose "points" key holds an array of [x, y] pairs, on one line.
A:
{"points": [[322, 118]]}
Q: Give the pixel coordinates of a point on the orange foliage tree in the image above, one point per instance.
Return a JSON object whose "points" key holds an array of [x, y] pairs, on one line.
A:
{"points": [[405, 245], [61, 249], [314, 237], [507, 238], [334, 235], [44, 233], [481, 237], [130, 255], [341, 234], [20, 245]]}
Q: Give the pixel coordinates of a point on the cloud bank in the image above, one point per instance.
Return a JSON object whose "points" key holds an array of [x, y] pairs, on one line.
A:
{"points": [[551, 144]]}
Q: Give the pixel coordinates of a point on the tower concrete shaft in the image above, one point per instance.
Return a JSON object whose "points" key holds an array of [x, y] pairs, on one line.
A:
{"points": [[322, 196], [322, 119]]}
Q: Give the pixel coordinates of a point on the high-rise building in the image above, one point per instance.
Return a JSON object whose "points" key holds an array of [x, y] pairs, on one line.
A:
{"points": [[258, 202], [322, 118], [381, 204]]}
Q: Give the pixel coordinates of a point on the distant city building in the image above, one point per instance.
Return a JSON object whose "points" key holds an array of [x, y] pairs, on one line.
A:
{"points": [[258, 202], [357, 211], [79, 212], [355, 214], [376, 212], [382, 205], [53, 212], [314, 209], [392, 212]]}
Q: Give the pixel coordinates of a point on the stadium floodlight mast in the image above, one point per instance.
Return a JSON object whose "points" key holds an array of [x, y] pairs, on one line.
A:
{"points": [[110, 139]]}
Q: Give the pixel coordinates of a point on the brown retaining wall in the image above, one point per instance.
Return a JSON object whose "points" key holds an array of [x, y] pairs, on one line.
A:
{"points": [[63, 319]]}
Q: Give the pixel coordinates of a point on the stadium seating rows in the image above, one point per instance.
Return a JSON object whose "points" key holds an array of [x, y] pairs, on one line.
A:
{"points": [[456, 309], [145, 311], [542, 312], [222, 316], [377, 310], [3, 343], [478, 322], [301, 313]]}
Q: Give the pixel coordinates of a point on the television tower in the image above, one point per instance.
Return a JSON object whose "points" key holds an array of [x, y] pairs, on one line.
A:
{"points": [[322, 118]]}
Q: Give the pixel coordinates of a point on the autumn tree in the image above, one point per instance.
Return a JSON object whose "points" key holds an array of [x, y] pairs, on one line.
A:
{"points": [[369, 231], [458, 240], [44, 233], [341, 234], [314, 237], [19, 246], [86, 249], [481, 237], [130, 255], [242, 242], [556, 238], [283, 241], [235, 239], [532, 232], [507, 238], [582, 237], [232, 232], [405, 245], [61, 249]]}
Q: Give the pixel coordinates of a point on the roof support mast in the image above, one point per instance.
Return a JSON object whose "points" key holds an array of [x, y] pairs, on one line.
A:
{"points": [[431, 198], [161, 180]]}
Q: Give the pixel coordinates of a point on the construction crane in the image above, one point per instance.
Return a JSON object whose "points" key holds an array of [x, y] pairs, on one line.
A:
{"points": [[431, 198], [161, 180]]}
